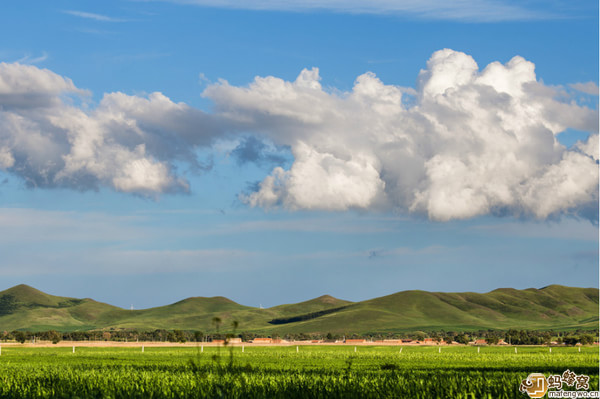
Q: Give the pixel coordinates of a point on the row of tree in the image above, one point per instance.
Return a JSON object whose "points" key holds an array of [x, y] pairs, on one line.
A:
{"points": [[512, 337]]}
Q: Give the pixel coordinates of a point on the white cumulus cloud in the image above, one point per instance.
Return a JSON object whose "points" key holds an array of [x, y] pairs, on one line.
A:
{"points": [[467, 141], [472, 142], [128, 143]]}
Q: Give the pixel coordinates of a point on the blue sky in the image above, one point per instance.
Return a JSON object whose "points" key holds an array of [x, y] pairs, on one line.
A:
{"points": [[156, 150]]}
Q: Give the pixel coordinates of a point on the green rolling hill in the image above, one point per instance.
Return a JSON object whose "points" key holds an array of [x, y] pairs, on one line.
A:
{"points": [[553, 307], [24, 307]]}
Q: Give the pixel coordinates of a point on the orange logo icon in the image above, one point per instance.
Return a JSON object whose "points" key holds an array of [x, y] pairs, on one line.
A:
{"points": [[535, 385]]}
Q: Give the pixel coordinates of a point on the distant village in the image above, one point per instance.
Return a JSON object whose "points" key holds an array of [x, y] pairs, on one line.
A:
{"points": [[362, 341], [180, 337]]}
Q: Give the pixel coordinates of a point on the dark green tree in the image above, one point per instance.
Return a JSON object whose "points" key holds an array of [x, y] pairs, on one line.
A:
{"points": [[179, 336], [20, 336], [586, 339], [8, 304], [462, 339], [55, 336]]}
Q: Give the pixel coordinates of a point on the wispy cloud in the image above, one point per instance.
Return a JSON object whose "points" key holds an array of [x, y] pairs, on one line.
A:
{"points": [[29, 59], [45, 226], [114, 261], [565, 229], [590, 88], [94, 16], [322, 224], [461, 10], [156, 261]]}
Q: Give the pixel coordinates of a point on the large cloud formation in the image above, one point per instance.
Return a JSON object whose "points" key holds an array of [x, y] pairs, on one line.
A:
{"points": [[128, 143], [464, 143], [467, 143]]}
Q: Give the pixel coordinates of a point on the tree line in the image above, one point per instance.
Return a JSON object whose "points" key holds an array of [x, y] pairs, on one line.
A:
{"points": [[492, 337]]}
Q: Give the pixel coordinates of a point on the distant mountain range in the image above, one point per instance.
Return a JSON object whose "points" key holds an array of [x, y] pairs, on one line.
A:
{"points": [[554, 307]]}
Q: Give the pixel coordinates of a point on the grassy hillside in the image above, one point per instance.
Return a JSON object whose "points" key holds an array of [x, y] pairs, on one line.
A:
{"points": [[553, 307], [24, 307], [314, 305], [192, 313]]}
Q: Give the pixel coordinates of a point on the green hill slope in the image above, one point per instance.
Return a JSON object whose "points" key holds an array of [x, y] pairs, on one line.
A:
{"points": [[24, 307], [192, 313], [314, 305], [553, 307]]}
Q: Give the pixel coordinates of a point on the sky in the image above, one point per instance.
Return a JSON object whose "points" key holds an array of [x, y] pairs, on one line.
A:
{"points": [[272, 151]]}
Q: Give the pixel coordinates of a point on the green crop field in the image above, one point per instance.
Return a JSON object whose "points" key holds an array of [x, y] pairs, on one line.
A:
{"points": [[282, 372]]}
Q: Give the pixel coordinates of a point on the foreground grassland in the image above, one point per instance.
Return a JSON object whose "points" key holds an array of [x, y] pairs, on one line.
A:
{"points": [[281, 372]]}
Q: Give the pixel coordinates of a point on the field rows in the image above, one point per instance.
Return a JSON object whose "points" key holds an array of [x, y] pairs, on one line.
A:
{"points": [[282, 372]]}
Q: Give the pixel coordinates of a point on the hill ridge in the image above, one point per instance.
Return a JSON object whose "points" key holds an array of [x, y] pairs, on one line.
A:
{"points": [[551, 307]]}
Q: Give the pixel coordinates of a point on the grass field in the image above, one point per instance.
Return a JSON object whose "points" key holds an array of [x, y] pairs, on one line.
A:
{"points": [[282, 372]]}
